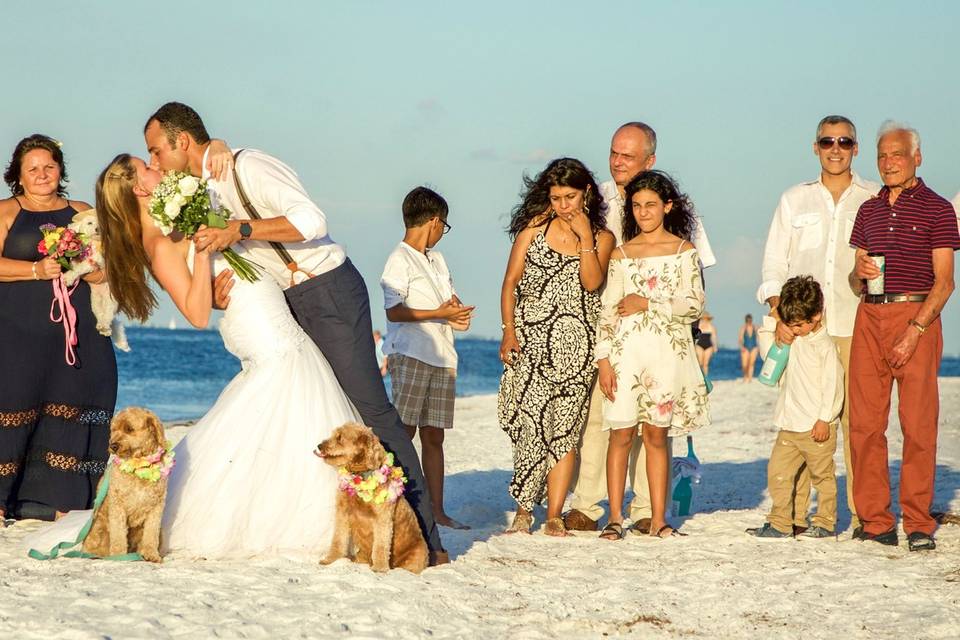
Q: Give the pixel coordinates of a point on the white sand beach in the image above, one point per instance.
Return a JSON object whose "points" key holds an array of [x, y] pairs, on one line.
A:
{"points": [[716, 583]]}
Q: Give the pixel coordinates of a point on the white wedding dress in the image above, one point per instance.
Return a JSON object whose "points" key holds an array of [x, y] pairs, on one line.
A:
{"points": [[246, 482]]}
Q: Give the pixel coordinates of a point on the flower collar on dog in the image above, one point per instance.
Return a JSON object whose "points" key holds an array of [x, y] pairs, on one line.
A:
{"points": [[150, 468], [377, 486]]}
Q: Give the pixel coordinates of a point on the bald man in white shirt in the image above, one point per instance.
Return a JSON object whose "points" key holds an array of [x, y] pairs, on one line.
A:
{"points": [[810, 235], [633, 150]]}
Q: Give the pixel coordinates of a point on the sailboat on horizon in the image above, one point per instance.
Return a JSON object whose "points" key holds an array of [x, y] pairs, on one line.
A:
{"points": [[172, 324]]}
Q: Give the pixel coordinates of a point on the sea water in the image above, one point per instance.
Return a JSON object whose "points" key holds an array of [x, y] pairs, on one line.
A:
{"points": [[179, 373]]}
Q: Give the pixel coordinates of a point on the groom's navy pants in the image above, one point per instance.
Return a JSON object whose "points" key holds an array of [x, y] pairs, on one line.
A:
{"points": [[334, 309]]}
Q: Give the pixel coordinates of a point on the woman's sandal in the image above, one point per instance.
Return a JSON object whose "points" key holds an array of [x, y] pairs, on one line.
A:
{"points": [[522, 522], [673, 532], [613, 531]]}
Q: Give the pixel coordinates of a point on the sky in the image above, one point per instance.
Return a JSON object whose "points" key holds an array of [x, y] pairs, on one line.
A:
{"points": [[366, 100]]}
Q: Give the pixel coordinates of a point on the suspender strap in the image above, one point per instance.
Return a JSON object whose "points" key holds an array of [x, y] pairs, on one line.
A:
{"points": [[282, 252]]}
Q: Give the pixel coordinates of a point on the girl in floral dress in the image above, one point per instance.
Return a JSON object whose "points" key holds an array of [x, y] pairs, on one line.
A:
{"points": [[645, 353]]}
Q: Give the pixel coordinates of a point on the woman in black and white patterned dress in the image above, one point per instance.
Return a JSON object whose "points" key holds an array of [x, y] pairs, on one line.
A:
{"points": [[550, 304]]}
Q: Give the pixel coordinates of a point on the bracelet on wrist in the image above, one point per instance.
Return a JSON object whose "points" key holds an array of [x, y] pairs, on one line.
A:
{"points": [[593, 250], [921, 328], [33, 267], [504, 326]]}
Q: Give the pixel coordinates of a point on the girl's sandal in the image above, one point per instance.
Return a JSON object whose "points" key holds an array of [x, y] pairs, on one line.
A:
{"points": [[613, 531], [555, 527], [673, 532], [522, 522]]}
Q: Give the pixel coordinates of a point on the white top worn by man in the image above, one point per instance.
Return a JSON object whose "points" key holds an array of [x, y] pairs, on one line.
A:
{"points": [[632, 151], [810, 235]]}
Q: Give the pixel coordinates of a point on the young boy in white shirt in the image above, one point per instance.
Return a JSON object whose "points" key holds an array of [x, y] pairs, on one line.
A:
{"points": [[808, 407], [422, 312]]}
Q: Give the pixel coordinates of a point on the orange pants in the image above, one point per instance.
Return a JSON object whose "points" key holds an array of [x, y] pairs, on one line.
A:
{"points": [[877, 328]]}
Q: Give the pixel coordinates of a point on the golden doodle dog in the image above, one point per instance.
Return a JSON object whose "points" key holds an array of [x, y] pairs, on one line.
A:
{"points": [[371, 510], [140, 461]]}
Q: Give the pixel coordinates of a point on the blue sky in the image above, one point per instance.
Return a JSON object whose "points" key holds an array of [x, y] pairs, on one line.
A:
{"points": [[369, 99]]}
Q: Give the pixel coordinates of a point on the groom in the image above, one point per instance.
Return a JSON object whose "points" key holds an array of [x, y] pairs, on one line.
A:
{"points": [[324, 290]]}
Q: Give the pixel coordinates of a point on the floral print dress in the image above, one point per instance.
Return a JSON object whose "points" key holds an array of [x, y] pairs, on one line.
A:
{"points": [[542, 403], [659, 381]]}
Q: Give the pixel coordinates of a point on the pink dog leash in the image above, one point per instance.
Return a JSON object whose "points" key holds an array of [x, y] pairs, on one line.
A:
{"points": [[67, 315]]}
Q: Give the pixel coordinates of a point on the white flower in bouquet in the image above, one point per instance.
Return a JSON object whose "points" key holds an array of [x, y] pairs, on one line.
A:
{"points": [[172, 209], [188, 186]]}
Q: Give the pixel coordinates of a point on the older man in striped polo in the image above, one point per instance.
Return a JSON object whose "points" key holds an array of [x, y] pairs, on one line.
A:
{"points": [[897, 335]]}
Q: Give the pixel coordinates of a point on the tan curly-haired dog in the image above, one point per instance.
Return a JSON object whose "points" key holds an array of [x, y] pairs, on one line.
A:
{"points": [[129, 518], [385, 536]]}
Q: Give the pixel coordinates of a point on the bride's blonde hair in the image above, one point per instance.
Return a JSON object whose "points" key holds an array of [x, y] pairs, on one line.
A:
{"points": [[127, 263]]}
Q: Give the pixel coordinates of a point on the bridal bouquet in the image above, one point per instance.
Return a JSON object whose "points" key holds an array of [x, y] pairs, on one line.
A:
{"points": [[181, 203]]}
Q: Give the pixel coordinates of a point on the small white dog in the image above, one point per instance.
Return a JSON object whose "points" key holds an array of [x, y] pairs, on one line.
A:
{"points": [[104, 306]]}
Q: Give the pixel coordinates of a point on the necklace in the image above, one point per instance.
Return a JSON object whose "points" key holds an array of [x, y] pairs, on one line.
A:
{"points": [[377, 485], [150, 468]]}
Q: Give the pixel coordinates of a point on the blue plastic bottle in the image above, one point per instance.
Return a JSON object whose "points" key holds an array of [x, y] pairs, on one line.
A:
{"points": [[774, 364], [689, 475]]}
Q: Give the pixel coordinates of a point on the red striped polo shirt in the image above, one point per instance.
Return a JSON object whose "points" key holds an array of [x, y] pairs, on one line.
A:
{"points": [[906, 233]]}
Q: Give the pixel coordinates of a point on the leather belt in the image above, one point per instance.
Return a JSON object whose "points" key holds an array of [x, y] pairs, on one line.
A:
{"points": [[884, 298]]}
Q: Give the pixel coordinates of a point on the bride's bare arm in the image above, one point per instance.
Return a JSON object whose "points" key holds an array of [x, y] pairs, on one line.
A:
{"points": [[192, 293]]}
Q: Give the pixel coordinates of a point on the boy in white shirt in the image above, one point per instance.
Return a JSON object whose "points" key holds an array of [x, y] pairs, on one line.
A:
{"points": [[422, 312], [808, 407]]}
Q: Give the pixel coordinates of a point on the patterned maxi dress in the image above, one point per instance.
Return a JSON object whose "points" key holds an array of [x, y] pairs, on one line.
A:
{"points": [[543, 396], [658, 378], [54, 418]]}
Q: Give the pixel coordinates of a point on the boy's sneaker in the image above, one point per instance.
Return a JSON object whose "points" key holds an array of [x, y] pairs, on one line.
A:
{"points": [[818, 532], [767, 531]]}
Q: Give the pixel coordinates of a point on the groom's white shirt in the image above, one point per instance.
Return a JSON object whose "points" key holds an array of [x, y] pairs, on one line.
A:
{"points": [[275, 190]]}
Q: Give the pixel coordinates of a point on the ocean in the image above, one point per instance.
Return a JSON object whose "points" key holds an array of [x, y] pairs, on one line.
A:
{"points": [[179, 373]]}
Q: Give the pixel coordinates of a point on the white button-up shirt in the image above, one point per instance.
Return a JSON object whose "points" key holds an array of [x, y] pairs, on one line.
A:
{"points": [[810, 235], [418, 281], [274, 190], [615, 204], [811, 387]]}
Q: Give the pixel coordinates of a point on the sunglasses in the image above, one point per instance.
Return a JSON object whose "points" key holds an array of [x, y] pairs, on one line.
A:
{"points": [[827, 142]]}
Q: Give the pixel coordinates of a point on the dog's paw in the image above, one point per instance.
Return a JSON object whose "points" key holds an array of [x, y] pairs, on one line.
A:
{"points": [[380, 568], [329, 560]]}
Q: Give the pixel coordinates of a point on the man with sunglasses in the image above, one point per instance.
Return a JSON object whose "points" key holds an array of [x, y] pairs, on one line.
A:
{"points": [[810, 235], [898, 336], [633, 150]]}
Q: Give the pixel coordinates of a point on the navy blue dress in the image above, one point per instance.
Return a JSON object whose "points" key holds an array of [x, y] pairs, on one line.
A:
{"points": [[54, 418]]}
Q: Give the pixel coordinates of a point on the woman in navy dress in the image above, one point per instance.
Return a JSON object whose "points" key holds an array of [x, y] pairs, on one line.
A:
{"points": [[54, 417]]}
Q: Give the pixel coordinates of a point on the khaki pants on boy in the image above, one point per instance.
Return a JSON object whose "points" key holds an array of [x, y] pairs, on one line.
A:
{"points": [[590, 480], [802, 497], [795, 453]]}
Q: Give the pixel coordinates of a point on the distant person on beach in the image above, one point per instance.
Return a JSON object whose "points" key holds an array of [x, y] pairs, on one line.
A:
{"points": [[549, 305], [54, 414], [423, 311], [747, 339], [898, 336], [810, 234], [648, 369], [378, 349], [633, 149], [705, 343], [808, 408], [284, 231]]}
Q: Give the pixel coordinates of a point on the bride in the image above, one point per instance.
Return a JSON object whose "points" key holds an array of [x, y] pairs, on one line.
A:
{"points": [[246, 482]]}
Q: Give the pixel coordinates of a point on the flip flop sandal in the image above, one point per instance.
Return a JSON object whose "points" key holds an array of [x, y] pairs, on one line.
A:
{"points": [[613, 531], [641, 527]]}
